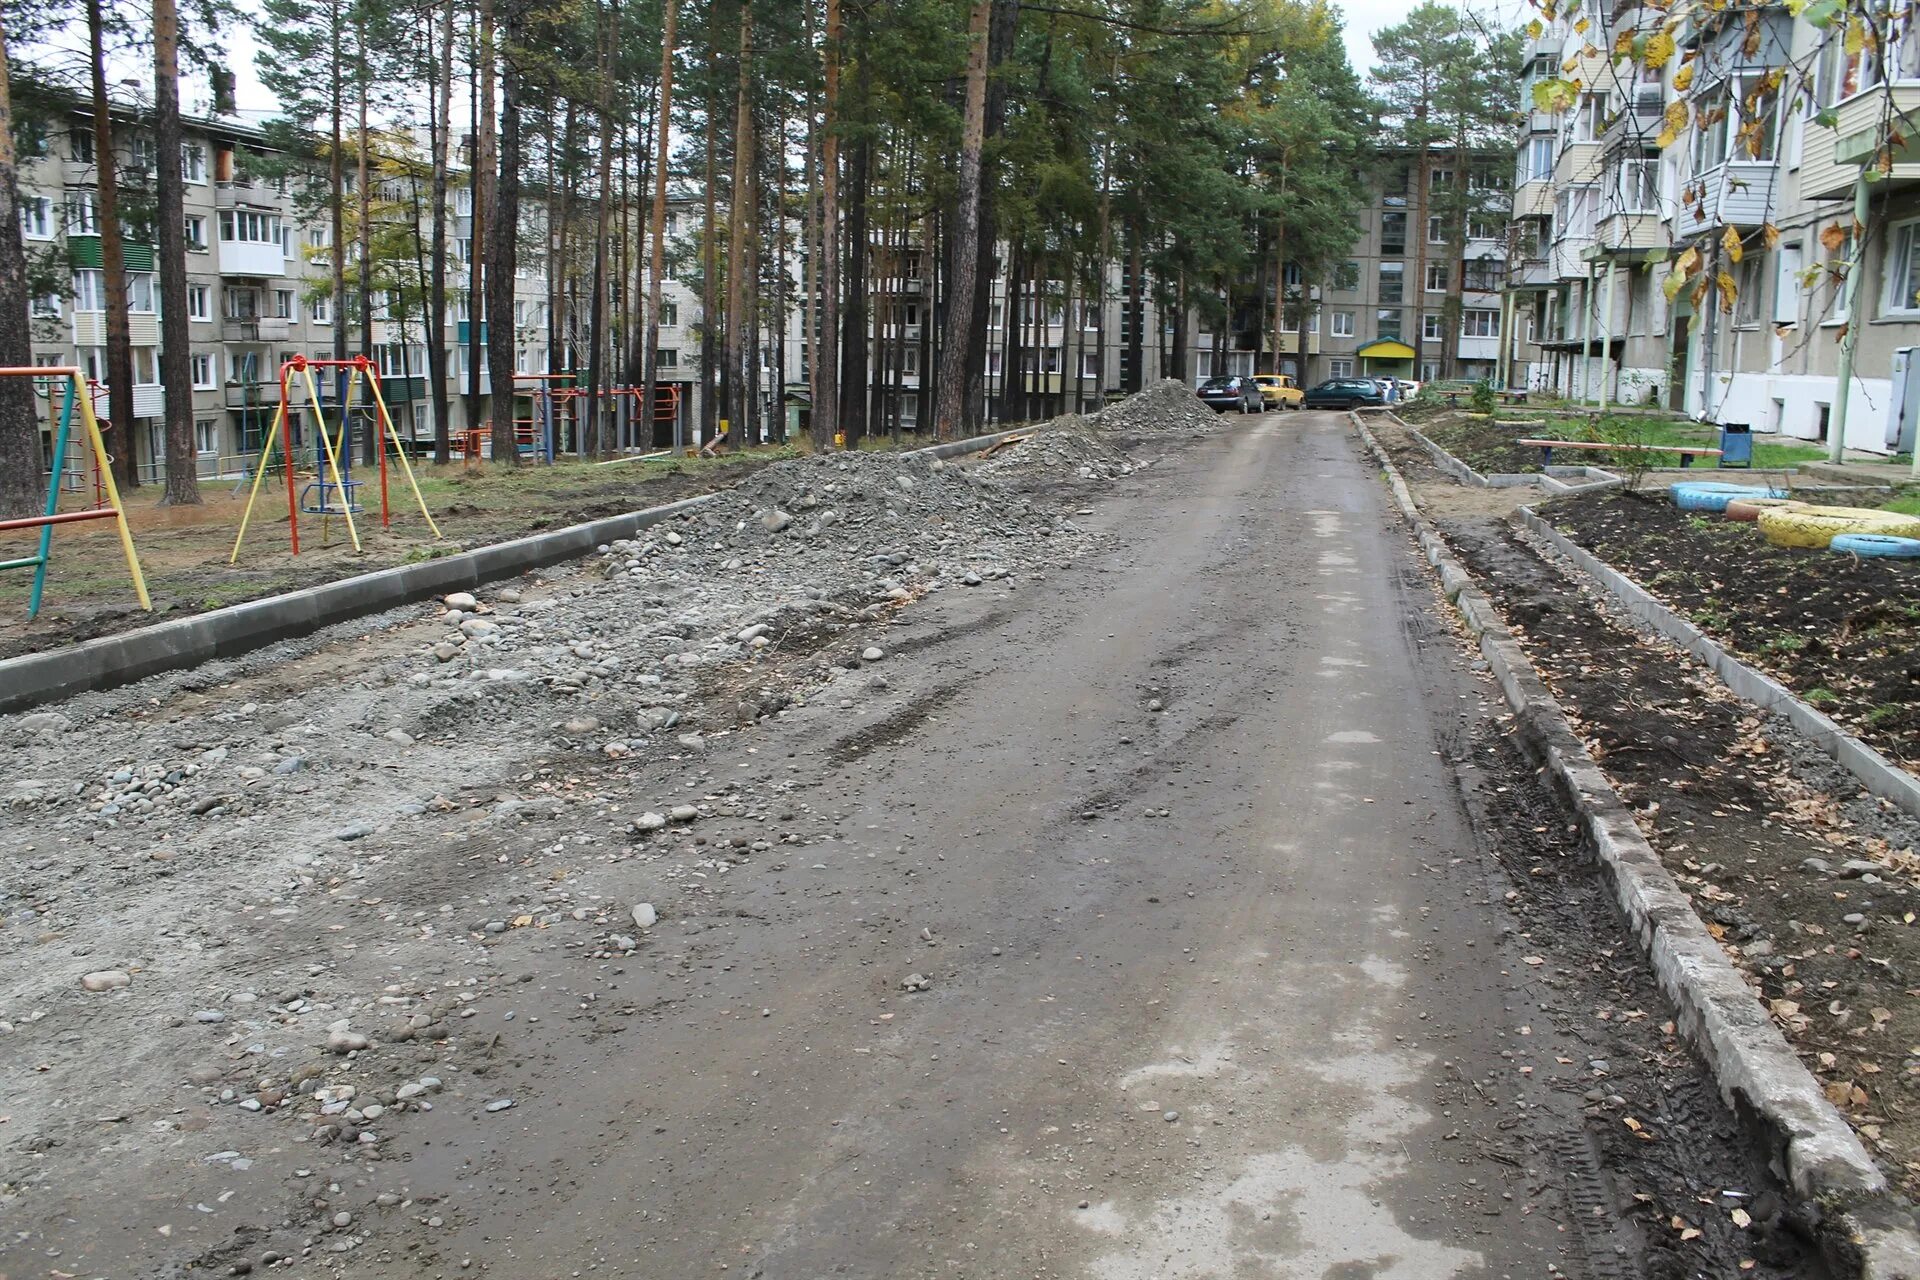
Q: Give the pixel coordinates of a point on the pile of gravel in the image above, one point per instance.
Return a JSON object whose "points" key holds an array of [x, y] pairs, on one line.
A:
{"points": [[1167, 408], [1066, 448]]}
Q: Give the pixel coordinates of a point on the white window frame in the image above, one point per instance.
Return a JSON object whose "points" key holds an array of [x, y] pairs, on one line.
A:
{"points": [[36, 217], [193, 162], [199, 302], [1430, 327], [320, 309], [1480, 322], [1339, 368], [1343, 324], [196, 243], [1903, 259], [206, 431], [1787, 289], [1540, 158], [1437, 271], [204, 377]]}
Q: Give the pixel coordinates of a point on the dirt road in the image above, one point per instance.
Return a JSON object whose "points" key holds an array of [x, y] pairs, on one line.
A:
{"points": [[1238, 945]]}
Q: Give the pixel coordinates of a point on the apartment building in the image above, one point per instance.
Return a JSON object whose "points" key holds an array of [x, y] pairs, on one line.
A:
{"points": [[1603, 210]]}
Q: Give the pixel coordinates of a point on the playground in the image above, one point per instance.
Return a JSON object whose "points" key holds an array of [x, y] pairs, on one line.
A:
{"points": [[185, 550]]}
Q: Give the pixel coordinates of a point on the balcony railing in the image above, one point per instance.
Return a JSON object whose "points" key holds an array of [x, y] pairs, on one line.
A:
{"points": [[254, 329]]}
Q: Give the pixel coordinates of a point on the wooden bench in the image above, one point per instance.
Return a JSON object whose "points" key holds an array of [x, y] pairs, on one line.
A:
{"points": [[1687, 452], [1513, 397]]}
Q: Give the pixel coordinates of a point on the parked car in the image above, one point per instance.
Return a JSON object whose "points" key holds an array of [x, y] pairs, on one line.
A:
{"points": [[1278, 390], [1222, 394], [1344, 393]]}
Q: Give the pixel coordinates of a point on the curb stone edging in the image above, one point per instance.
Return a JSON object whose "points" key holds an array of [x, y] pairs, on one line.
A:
{"points": [[1807, 1141], [1552, 479], [1875, 772], [111, 661]]}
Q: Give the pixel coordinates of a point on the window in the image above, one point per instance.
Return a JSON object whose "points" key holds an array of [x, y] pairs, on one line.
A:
{"points": [[668, 358], [1343, 324], [993, 364], [1340, 368], [1346, 277], [1750, 284], [83, 214], [1393, 234], [196, 228], [193, 162], [1639, 185], [320, 309], [284, 305], [249, 226], [1573, 213], [1484, 228], [995, 314], [1484, 275], [45, 306], [1388, 322], [89, 290], [1429, 371], [669, 314], [1476, 322], [1438, 179], [141, 291], [1089, 364], [1437, 277], [36, 217], [1436, 233], [909, 361], [202, 371], [1050, 363], [206, 440], [198, 307], [1430, 327], [143, 154], [1539, 159], [146, 366], [1591, 120], [1786, 289], [319, 241], [1903, 270], [1392, 281], [80, 145], [239, 304]]}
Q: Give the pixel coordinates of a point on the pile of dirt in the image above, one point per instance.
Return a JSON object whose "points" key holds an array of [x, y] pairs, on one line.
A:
{"points": [[1167, 408], [1838, 630], [1066, 448], [1486, 444]]}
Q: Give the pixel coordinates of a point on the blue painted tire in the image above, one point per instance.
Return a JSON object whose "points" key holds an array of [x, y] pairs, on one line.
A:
{"points": [[1712, 496], [1877, 545]]}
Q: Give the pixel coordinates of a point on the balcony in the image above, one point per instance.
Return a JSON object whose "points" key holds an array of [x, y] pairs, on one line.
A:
{"points": [[1735, 194], [1534, 273], [1533, 199], [1830, 159], [1288, 343], [252, 259], [90, 329], [254, 329], [148, 402], [1628, 232]]}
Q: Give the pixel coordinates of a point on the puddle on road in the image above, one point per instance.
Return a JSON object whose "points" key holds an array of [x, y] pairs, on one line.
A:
{"points": [[1352, 736]]}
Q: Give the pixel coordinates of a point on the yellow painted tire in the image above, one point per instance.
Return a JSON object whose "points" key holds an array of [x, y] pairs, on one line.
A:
{"points": [[1749, 509], [1817, 526]]}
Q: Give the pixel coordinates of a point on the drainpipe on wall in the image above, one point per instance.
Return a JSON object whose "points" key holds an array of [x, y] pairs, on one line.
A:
{"points": [[1837, 416]]}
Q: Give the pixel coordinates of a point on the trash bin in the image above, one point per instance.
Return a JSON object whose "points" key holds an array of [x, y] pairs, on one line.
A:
{"points": [[1736, 444]]}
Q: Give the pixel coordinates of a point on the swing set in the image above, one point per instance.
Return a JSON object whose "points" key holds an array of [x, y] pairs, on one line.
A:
{"points": [[75, 394], [333, 491]]}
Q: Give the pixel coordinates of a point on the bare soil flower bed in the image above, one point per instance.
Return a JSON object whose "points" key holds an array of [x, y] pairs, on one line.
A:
{"points": [[1841, 632]]}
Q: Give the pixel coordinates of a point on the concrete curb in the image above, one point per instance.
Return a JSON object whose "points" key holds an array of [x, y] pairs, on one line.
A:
{"points": [[1807, 1141], [1875, 772], [1552, 479], [111, 661]]}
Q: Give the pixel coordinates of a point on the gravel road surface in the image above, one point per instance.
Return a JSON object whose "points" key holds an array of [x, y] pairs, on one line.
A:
{"points": [[1093, 895]]}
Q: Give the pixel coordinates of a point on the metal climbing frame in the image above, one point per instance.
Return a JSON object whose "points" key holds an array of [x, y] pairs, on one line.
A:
{"points": [[330, 482], [76, 393]]}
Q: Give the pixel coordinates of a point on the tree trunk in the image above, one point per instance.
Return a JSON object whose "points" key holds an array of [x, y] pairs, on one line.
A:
{"points": [[363, 147], [950, 413], [437, 279], [657, 228], [740, 377], [810, 265], [1181, 340], [591, 442], [710, 265], [854, 327], [502, 223], [113, 263], [336, 187], [1135, 357], [1418, 285], [779, 423], [176, 365], [826, 369], [481, 185], [20, 491]]}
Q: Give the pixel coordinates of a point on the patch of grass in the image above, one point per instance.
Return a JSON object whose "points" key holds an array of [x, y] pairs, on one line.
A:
{"points": [[1906, 505], [1822, 697], [1885, 713], [1785, 644]]}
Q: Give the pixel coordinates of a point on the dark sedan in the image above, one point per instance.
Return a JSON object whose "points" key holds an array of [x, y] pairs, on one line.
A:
{"points": [[1344, 393], [1222, 394]]}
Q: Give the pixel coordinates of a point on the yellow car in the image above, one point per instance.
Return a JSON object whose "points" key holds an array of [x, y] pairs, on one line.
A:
{"points": [[1277, 390]]}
